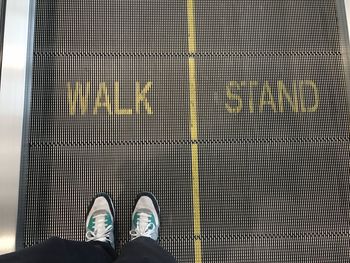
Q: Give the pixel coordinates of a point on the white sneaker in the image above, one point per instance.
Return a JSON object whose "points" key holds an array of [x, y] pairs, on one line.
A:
{"points": [[100, 220], [145, 218]]}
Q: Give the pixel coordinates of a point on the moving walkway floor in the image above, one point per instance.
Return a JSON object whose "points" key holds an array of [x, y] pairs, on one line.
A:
{"points": [[235, 114]]}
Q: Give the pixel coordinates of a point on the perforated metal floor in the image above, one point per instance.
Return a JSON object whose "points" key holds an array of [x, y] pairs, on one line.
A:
{"points": [[114, 86]]}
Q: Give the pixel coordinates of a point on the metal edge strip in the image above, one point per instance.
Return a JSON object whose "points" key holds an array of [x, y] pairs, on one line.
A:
{"points": [[14, 92], [347, 9], [343, 17], [2, 27], [22, 199]]}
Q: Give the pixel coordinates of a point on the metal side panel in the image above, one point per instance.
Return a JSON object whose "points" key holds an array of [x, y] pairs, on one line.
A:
{"points": [[15, 87], [347, 8]]}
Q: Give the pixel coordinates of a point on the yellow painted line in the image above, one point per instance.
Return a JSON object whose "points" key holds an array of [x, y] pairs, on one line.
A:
{"points": [[191, 27], [198, 250], [194, 132], [195, 175], [195, 192], [193, 98]]}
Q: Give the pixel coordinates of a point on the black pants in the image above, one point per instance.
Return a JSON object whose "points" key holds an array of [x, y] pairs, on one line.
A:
{"points": [[56, 250]]}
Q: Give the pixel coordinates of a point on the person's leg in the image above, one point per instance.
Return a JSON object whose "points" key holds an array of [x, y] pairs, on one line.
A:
{"points": [[144, 234], [56, 250], [99, 245], [142, 250]]}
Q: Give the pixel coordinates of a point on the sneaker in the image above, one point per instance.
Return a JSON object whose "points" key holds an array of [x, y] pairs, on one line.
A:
{"points": [[100, 220], [145, 218]]}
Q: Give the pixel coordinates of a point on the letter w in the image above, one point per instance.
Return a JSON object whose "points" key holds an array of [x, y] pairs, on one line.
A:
{"points": [[77, 94]]}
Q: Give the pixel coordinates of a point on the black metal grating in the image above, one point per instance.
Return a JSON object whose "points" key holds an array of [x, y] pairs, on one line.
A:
{"points": [[274, 184]]}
